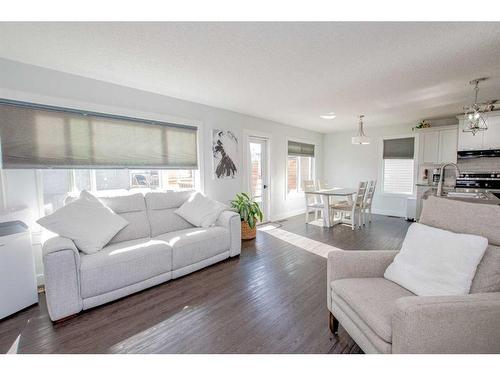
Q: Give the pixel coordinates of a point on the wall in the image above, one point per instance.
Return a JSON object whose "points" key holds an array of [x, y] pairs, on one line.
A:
{"points": [[30, 83], [346, 164]]}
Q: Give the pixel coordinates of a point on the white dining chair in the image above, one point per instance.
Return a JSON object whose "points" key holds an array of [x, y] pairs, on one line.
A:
{"points": [[353, 207], [367, 204], [313, 202]]}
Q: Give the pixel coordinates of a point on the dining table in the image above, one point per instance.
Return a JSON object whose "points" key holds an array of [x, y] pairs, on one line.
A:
{"points": [[332, 192]]}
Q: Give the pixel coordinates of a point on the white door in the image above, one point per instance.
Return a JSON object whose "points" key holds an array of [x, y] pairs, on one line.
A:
{"points": [[258, 174]]}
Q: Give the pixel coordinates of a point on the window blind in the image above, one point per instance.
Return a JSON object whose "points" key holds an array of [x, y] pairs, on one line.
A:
{"points": [[300, 149], [37, 136], [400, 148], [398, 176]]}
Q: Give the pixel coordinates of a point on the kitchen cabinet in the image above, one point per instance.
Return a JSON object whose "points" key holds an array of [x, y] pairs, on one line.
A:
{"points": [[491, 137], [483, 140], [448, 146], [467, 141], [438, 146], [430, 147]]}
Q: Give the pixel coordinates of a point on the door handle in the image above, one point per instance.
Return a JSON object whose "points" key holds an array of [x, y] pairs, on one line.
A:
{"points": [[265, 186]]}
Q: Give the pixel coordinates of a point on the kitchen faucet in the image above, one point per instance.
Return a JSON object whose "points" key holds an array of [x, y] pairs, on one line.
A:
{"points": [[441, 177]]}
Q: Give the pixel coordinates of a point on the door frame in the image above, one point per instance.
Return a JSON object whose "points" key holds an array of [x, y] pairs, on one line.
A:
{"points": [[247, 135]]}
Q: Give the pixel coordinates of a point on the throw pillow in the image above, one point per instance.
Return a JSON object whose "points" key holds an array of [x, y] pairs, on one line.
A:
{"points": [[86, 221], [200, 210], [436, 262]]}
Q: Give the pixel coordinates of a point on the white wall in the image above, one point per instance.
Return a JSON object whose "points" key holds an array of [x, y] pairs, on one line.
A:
{"points": [[30, 83], [346, 164]]}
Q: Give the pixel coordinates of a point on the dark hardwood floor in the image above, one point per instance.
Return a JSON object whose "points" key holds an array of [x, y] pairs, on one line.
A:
{"points": [[271, 299]]}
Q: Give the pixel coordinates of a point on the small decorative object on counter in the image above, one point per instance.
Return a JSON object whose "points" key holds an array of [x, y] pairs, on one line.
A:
{"points": [[422, 125], [250, 213]]}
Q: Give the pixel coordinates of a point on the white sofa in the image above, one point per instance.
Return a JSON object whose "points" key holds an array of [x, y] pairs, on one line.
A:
{"points": [[157, 245]]}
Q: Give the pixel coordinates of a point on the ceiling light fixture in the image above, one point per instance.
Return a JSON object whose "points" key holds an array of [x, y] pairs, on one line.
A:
{"points": [[475, 115], [328, 116], [361, 138]]}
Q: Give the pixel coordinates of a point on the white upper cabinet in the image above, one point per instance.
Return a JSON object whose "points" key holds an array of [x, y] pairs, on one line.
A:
{"points": [[429, 147], [467, 141], [492, 135], [483, 140], [448, 146], [438, 145]]}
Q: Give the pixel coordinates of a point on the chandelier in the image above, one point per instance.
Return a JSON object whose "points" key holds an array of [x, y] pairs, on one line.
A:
{"points": [[475, 114], [361, 138]]}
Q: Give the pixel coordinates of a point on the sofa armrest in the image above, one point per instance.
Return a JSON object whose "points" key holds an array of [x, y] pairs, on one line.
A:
{"points": [[231, 221], [356, 264], [447, 324], [61, 262]]}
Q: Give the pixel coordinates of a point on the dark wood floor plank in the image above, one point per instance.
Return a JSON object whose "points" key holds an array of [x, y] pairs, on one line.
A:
{"points": [[271, 299]]}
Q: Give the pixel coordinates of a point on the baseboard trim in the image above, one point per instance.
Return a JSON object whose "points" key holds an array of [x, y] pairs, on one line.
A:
{"points": [[388, 213]]}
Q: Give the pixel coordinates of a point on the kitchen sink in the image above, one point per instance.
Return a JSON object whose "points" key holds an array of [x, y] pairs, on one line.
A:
{"points": [[469, 195]]}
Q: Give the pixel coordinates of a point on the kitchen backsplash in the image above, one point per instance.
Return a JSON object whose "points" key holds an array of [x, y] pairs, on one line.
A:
{"points": [[479, 165]]}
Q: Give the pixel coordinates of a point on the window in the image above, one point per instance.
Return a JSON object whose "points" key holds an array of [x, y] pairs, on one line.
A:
{"points": [[398, 166], [58, 183], [300, 166]]}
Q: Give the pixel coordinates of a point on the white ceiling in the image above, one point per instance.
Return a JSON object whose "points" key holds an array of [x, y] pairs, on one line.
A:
{"points": [[394, 73]]}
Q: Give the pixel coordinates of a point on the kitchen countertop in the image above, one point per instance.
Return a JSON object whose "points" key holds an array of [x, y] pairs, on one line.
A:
{"points": [[487, 196]]}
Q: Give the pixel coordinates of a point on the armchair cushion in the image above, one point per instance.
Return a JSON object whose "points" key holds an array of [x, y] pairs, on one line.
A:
{"points": [[435, 262], [356, 264], [373, 300]]}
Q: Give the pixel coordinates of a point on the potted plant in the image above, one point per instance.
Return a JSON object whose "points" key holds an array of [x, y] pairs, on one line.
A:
{"points": [[249, 212]]}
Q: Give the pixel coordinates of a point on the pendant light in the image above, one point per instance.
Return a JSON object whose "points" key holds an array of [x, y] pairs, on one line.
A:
{"points": [[361, 138], [475, 114]]}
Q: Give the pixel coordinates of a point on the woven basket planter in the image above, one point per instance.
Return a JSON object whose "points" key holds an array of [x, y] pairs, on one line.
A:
{"points": [[247, 233]]}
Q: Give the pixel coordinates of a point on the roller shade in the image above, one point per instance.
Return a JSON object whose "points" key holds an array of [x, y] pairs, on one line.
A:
{"points": [[400, 148], [300, 149], [36, 136]]}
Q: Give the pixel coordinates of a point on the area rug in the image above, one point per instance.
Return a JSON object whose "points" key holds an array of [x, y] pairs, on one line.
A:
{"points": [[307, 244]]}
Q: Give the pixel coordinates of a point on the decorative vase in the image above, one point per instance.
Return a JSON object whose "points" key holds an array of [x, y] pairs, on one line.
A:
{"points": [[247, 233]]}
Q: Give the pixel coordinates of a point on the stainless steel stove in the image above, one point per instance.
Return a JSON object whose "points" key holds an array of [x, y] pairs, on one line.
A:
{"points": [[480, 181]]}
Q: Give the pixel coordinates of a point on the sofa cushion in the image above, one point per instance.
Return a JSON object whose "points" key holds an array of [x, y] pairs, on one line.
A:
{"points": [[372, 299], [161, 208], [123, 264], [86, 221], [196, 244], [462, 217], [160, 200], [133, 209], [487, 278], [200, 210]]}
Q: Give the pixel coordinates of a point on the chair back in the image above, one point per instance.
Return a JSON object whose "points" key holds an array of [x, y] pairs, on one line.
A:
{"points": [[370, 192], [308, 186], [360, 196], [323, 185]]}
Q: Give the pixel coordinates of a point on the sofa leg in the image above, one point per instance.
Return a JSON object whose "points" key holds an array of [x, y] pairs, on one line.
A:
{"points": [[334, 324]]}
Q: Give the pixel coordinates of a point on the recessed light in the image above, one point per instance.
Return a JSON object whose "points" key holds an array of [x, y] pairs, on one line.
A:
{"points": [[328, 116]]}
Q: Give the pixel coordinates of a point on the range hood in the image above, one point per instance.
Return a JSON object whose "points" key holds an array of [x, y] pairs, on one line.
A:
{"points": [[478, 154]]}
